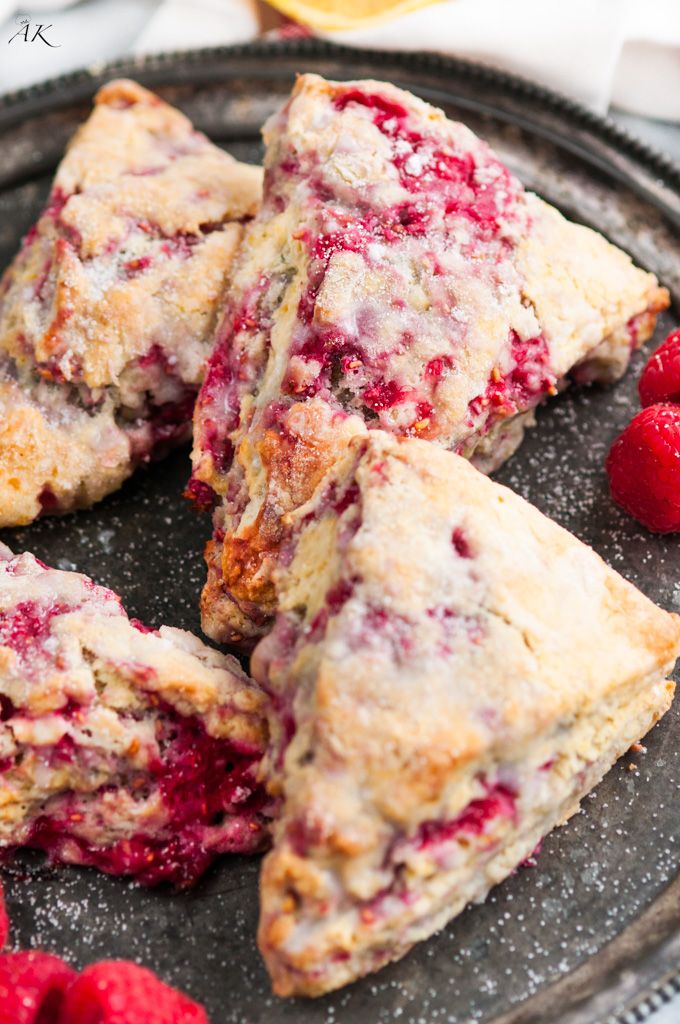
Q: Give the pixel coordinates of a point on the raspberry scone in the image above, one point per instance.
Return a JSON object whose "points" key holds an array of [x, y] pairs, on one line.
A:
{"points": [[450, 672], [132, 750], [397, 276], [107, 312]]}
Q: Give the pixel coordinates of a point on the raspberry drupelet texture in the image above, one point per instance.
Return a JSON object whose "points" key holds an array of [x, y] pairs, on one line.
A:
{"points": [[119, 992], [643, 466], [39, 988], [660, 379], [32, 988]]}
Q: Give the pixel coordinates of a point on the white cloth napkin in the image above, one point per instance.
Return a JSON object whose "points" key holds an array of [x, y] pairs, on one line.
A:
{"points": [[572, 47], [597, 51], [601, 52], [193, 23], [647, 75]]}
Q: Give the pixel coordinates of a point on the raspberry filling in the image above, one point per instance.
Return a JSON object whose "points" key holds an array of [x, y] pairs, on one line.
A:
{"points": [[529, 379], [466, 202], [160, 414], [164, 419], [278, 649], [200, 494], [210, 799], [435, 838], [55, 204], [228, 372], [483, 192], [160, 807], [28, 625], [499, 802]]}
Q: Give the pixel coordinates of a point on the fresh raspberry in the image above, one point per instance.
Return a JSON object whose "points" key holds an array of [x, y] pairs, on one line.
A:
{"points": [[644, 468], [4, 920], [660, 380], [32, 987], [118, 992]]}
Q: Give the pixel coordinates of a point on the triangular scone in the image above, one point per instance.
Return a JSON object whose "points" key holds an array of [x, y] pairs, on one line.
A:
{"points": [[129, 749], [107, 312], [397, 276], [451, 672]]}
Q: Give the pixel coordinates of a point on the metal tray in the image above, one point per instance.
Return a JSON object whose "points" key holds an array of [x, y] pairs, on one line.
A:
{"points": [[592, 933]]}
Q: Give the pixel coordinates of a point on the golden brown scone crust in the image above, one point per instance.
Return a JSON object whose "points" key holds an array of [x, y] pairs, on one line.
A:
{"points": [[382, 286], [72, 463], [441, 645], [112, 298]]}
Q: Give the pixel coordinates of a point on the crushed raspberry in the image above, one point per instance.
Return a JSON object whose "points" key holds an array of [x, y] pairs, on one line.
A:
{"points": [[181, 245], [424, 412], [167, 422], [214, 440], [4, 920], [32, 988], [384, 395], [480, 189], [303, 835], [118, 992], [226, 371], [351, 496], [7, 708], [141, 627], [436, 367], [28, 624], [498, 803], [660, 380], [338, 596], [386, 627], [156, 356], [170, 422], [42, 279], [529, 378], [460, 543], [56, 203], [48, 499], [385, 109], [643, 466], [212, 800], [200, 494], [137, 266]]}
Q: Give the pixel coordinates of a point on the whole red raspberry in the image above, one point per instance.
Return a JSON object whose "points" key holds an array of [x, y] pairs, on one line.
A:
{"points": [[660, 380], [644, 468], [118, 992], [4, 920], [32, 987]]}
